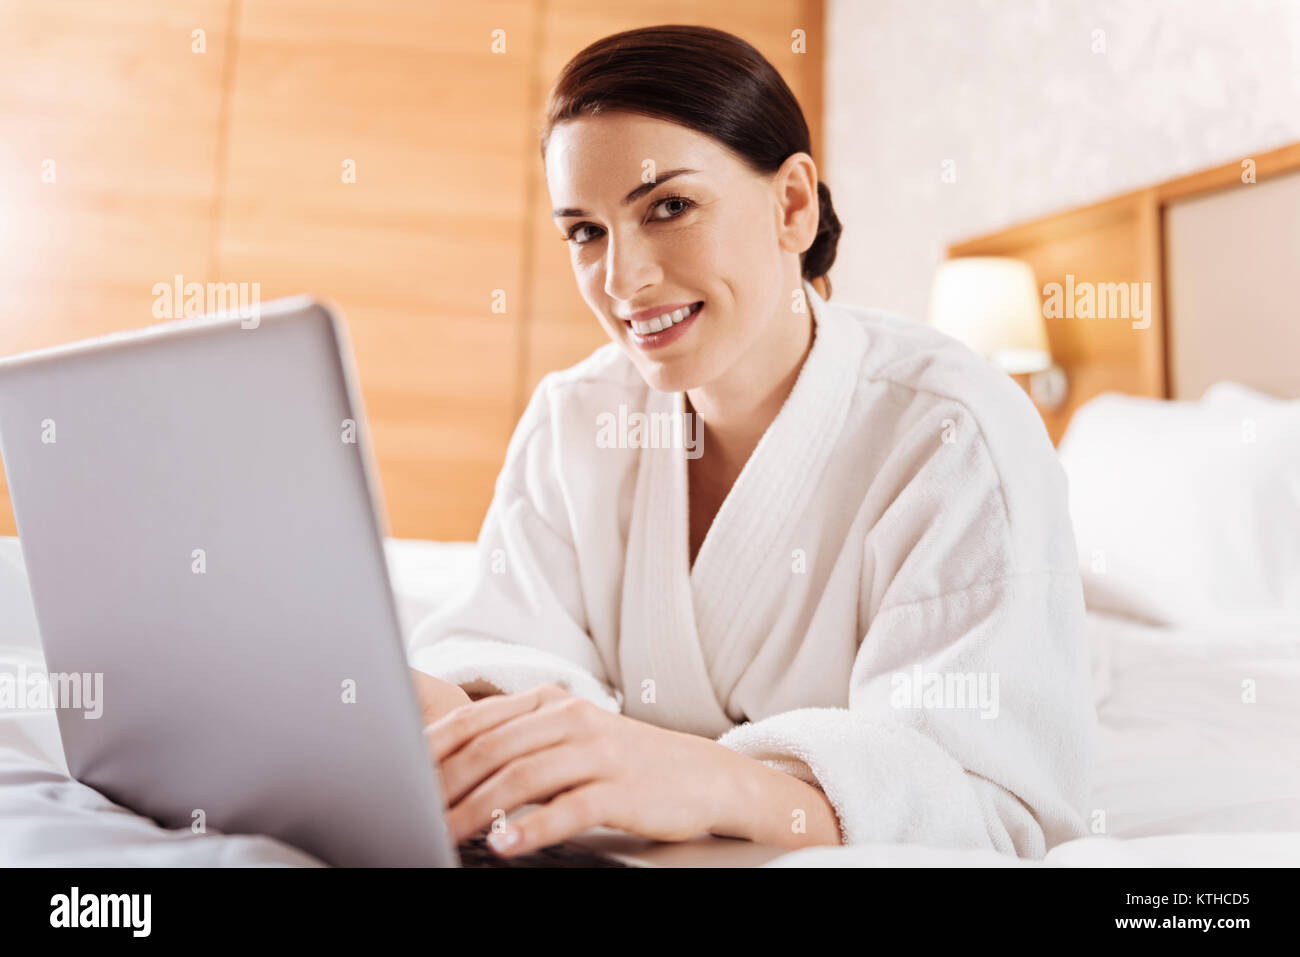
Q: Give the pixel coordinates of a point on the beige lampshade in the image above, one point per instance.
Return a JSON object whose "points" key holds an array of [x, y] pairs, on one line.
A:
{"points": [[991, 304]]}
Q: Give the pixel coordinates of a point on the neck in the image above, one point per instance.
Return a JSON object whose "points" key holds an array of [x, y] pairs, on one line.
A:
{"points": [[737, 408]]}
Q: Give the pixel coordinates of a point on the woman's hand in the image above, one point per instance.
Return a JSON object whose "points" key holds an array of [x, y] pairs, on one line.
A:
{"points": [[436, 697], [593, 767]]}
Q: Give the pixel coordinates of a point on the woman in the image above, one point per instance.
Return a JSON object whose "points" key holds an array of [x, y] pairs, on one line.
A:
{"points": [[847, 609]]}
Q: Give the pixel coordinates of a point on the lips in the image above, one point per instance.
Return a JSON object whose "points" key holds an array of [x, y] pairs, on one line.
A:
{"points": [[670, 327], [663, 321]]}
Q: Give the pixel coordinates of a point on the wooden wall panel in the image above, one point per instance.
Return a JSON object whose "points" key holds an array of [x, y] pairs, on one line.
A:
{"points": [[114, 95], [227, 166], [436, 125]]}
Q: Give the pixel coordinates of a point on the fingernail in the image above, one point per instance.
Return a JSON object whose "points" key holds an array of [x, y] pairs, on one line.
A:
{"points": [[501, 840]]}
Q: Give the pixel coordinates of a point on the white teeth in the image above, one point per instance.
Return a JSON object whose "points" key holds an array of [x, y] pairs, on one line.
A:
{"points": [[661, 322]]}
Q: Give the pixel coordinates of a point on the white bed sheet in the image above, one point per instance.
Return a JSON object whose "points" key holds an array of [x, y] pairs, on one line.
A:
{"points": [[1200, 728], [1187, 774]]}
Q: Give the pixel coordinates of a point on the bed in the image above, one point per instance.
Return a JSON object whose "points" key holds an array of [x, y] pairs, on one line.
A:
{"points": [[1189, 542]]}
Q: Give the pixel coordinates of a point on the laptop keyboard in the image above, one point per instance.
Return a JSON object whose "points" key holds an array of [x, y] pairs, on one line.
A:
{"points": [[476, 853]]}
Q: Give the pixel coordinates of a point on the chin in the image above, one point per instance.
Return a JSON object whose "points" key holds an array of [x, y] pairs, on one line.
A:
{"points": [[665, 379], [684, 369], [678, 376]]}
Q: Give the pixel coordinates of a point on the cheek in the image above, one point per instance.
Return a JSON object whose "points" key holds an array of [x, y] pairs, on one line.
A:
{"points": [[591, 287], [699, 250]]}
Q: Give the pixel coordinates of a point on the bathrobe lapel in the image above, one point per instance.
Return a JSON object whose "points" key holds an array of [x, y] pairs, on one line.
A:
{"points": [[694, 631], [742, 572], [665, 679]]}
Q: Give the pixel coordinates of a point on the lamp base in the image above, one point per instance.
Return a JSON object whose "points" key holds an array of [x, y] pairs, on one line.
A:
{"points": [[1049, 389]]}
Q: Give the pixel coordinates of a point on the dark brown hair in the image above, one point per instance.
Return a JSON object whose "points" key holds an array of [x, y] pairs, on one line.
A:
{"points": [[709, 81]]}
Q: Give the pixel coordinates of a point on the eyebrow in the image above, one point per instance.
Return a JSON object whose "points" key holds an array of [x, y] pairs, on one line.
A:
{"points": [[631, 197]]}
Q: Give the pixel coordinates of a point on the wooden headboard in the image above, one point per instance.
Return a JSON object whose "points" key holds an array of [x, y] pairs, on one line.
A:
{"points": [[1213, 259]]}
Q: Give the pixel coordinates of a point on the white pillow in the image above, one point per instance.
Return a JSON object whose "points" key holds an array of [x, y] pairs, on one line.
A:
{"points": [[1234, 395], [1188, 512]]}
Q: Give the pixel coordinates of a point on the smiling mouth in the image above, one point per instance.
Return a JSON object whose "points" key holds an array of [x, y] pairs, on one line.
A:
{"points": [[664, 322]]}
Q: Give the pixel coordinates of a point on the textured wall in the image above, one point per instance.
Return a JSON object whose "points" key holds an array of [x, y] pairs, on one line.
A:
{"points": [[1031, 120]]}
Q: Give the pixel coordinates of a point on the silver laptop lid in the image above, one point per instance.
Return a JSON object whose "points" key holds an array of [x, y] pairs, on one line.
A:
{"points": [[200, 518]]}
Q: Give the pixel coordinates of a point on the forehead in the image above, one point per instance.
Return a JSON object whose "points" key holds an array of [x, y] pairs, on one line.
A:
{"points": [[598, 155]]}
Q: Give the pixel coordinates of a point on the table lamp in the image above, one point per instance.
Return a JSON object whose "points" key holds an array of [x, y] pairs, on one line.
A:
{"points": [[991, 303]]}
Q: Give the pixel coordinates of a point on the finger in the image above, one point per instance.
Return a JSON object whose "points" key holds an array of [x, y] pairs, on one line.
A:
{"points": [[462, 724], [534, 778], [456, 727], [549, 725], [561, 818]]}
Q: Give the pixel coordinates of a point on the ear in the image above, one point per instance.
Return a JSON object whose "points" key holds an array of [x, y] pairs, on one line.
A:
{"points": [[798, 208]]}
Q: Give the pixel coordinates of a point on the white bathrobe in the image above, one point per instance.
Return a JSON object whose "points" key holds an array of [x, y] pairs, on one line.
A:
{"points": [[899, 534]]}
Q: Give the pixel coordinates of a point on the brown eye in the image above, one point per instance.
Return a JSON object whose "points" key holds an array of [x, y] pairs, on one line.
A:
{"points": [[571, 237], [681, 202]]}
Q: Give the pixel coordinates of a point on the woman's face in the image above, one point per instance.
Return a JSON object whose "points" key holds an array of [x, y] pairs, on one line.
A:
{"points": [[643, 236]]}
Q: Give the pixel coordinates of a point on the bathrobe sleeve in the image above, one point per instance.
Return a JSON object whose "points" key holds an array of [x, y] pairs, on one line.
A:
{"points": [[969, 575], [520, 622]]}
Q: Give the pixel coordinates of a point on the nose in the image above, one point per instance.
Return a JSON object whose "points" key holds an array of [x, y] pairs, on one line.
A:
{"points": [[630, 266]]}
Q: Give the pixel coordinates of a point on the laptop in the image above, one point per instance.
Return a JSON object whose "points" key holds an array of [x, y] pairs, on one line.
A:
{"points": [[202, 524]]}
